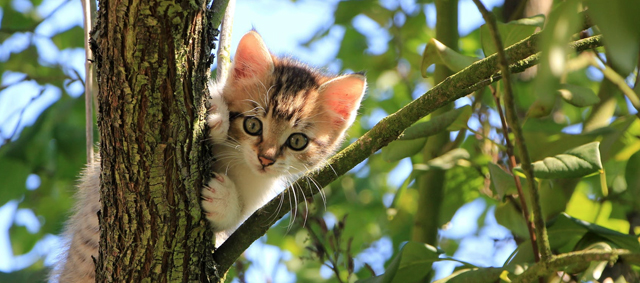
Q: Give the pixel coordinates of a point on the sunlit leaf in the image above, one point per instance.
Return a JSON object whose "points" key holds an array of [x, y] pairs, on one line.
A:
{"points": [[437, 53], [577, 162]]}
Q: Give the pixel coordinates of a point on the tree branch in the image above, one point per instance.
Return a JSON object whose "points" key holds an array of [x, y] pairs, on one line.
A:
{"points": [[224, 43], [573, 258], [476, 76]]}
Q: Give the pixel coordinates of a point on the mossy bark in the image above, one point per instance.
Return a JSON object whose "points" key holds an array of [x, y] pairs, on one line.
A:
{"points": [[153, 59]]}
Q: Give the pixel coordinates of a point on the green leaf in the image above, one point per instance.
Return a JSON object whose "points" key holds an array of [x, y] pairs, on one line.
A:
{"points": [[347, 10], [445, 161], [507, 216], [22, 240], [578, 96], [437, 53], [71, 38], [27, 62], [563, 22], [633, 178], [618, 22], [565, 224], [501, 181], [574, 163], [476, 275], [453, 120], [25, 275], [412, 264], [388, 275], [510, 33], [415, 264], [14, 179], [399, 149], [14, 20]]}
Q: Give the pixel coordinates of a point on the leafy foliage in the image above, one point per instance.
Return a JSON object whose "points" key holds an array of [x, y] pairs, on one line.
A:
{"points": [[586, 175], [49, 152]]}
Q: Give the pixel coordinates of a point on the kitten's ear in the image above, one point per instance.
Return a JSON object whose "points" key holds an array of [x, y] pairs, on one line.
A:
{"points": [[252, 58], [341, 97]]}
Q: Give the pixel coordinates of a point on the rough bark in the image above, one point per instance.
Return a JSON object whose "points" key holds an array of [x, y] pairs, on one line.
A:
{"points": [[153, 59]]}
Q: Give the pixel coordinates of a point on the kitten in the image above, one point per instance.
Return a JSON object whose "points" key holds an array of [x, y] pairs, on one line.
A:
{"points": [[272, 120]]}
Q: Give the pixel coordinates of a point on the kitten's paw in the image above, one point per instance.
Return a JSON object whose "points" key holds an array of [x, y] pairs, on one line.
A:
{"points": [[220, 202], [218, 119]]}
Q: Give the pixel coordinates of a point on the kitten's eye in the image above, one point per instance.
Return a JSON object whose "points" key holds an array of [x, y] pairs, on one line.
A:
{"points": [[297, 141], [252, 126]]}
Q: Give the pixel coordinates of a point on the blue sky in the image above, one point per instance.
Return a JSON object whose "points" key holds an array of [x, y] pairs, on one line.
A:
{"points": [[283, 25]]}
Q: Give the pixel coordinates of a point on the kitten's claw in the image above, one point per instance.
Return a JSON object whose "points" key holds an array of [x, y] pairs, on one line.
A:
{"points": [[220, 202], [219, 177]]}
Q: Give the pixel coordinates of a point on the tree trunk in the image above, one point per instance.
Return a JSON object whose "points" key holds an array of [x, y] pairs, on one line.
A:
{"points": [[152, 60]]}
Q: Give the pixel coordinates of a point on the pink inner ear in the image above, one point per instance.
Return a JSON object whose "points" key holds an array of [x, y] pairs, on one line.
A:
{"points": [[342, 95], [252, 57]]}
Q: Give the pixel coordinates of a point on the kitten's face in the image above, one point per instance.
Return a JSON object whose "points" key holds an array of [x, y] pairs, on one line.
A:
{"points": [[279, 125], [286, 117]]}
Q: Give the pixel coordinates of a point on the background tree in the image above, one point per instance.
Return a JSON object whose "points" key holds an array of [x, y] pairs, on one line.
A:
{"points": [[559, 112]]}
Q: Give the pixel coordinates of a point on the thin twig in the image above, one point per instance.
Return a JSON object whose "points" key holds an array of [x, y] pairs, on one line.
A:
{"points": [[501, 147], [513, 165], [540, 229], [619, 81], [224, 44], [88, 15], [636, 84], [7, 139], [476, 76]]}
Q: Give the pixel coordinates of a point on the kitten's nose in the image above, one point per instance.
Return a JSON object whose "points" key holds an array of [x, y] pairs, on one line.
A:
{"points": [[266, 161]]}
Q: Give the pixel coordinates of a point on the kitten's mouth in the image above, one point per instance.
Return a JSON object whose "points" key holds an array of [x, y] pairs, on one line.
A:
{"points": [[261, 170], [265, 171]]}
